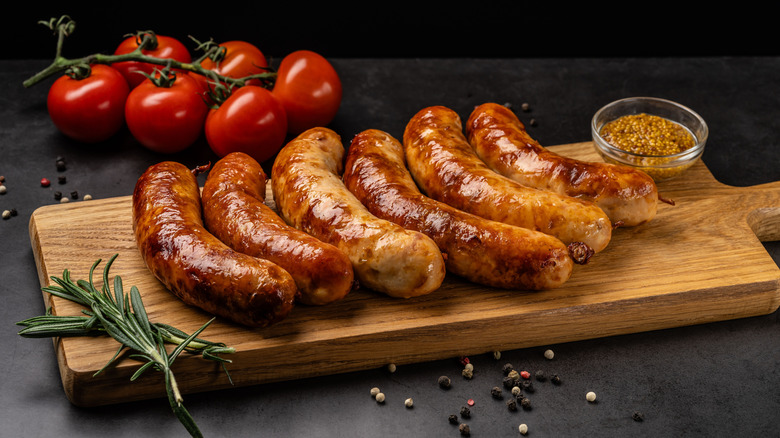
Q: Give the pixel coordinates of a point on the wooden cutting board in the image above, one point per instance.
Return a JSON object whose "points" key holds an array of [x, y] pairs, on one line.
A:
{"points": [[698, 261]]}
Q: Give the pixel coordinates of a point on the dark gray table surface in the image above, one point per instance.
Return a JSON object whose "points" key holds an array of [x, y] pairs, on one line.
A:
{"points": [[717, 379]]}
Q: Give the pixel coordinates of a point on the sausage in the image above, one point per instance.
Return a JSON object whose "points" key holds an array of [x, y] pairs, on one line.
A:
{"points": [[627, 195], [479, 250], [194, 264], [234, 210], [446, 168], [311, 196]]}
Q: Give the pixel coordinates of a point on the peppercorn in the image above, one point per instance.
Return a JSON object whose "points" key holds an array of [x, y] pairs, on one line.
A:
{"points": [[523, 429], [511, 404], [496, 355], [516, 391], [526, 107], [45, 182], [64, 200], [468, 372], [74, 194], [60, 164], [374, 391], [2, 179], [464, 429], [3, 189], [465, 412], [540, 376], [380, 398], [62, 179], [638, 416], [507, 368], [527, 386], [525, 374], [453, 419], [549, 354], [14, 212], [496, 392], [509, 382], [555, 379], [533, 122], [514, 375], [445, 382], [409, 403], [390, 367], [6, 214], [590, 396], [88, 197], [525, 402]]}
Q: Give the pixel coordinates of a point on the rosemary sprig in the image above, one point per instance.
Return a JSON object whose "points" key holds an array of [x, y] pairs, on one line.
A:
{"points": [[123, 317]]}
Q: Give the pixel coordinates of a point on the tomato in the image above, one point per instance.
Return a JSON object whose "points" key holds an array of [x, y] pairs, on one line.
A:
{"points": [[92, 109], [251, 120], [169, 118], [167, 48], [309, 89], [240, 59]]}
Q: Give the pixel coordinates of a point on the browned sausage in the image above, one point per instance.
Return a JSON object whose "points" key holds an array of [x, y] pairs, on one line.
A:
{"points": [[196, 266], [234, 210], [477, 249], [310, 195], [628, 196], [446, 168]]}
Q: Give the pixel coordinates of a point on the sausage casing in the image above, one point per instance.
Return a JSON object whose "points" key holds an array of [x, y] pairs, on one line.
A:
{"points": [[311, 196], [480, 250], [446, 168], [234, 210], [194, 264], [627, 195]]}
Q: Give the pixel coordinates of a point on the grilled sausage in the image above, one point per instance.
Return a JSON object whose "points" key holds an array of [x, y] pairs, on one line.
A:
{"points": [[628, 196], [445, 168], [196, 266], [310, 195], [480, 250], [234, 210]]}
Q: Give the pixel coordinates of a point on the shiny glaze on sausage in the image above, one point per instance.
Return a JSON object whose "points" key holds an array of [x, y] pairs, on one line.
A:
{"points": [[628, 196], [446, 168], [479, 250], [194, 264], [234, 210], [310, 195]]}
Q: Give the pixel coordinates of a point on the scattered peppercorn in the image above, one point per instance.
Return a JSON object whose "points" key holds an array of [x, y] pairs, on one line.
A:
{"points": [[516, 391], [496, 392], [409, 403], [525, 402], [64, 200], [590, 396], [74, 194], [374, 391], [6, 214], [464, 429], [507, 368], [470, 402], [526, 107], [464, 360], [61, 164], [533, 122], [511, 404], [514, 375], [453, 419], [88, 197], [465, 412], [62, 179], [540, 376], [2, 179], [57, 195], [496, 355], [45, 182], [445, 382], [638, 416], [468, 373], [555, 379], [523, 429], [525, 374], [390, 367], [527, 386], [3, 189], [509, 382], [549, 354], [380, 398]]}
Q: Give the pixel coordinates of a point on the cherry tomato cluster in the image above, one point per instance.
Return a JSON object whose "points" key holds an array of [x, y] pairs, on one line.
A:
{"points": [[167, 110]]}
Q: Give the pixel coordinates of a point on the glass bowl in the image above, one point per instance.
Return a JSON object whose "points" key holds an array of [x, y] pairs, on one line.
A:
{"points": [[659, 167]]}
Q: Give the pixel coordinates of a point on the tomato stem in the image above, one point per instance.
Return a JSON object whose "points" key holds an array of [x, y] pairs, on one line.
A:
{"points": [[64, 26]]}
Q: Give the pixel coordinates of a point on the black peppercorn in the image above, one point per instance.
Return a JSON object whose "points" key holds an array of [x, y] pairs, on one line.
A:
{"points": [[14, 212], [496, 392], [540, 376], [453, 419], [509, 382], [555, 379], [62, 179], [511, 404], [464, 429], [445, 382], [74, 194], [57, 195], [507, 368], [525, 402], [465, 412], [60, 164], [527, 386], [638, 416]]}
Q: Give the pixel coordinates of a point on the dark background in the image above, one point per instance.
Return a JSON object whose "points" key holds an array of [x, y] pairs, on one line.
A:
{"points": [[413, 29]]}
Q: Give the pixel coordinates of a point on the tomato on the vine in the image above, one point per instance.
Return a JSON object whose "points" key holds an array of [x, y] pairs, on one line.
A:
{"points": [[166, 117], [309, 88], [251, 120], [91, 109], [237, 59], [167, 48]]}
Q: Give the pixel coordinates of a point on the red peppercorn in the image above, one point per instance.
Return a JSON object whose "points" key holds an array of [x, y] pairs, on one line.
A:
{"points": [[525, 374], [45, 182], [470, 402]]}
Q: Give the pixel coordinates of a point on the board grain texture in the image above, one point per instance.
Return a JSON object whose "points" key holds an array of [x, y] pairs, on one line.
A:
{"points": [[700, 260]]}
